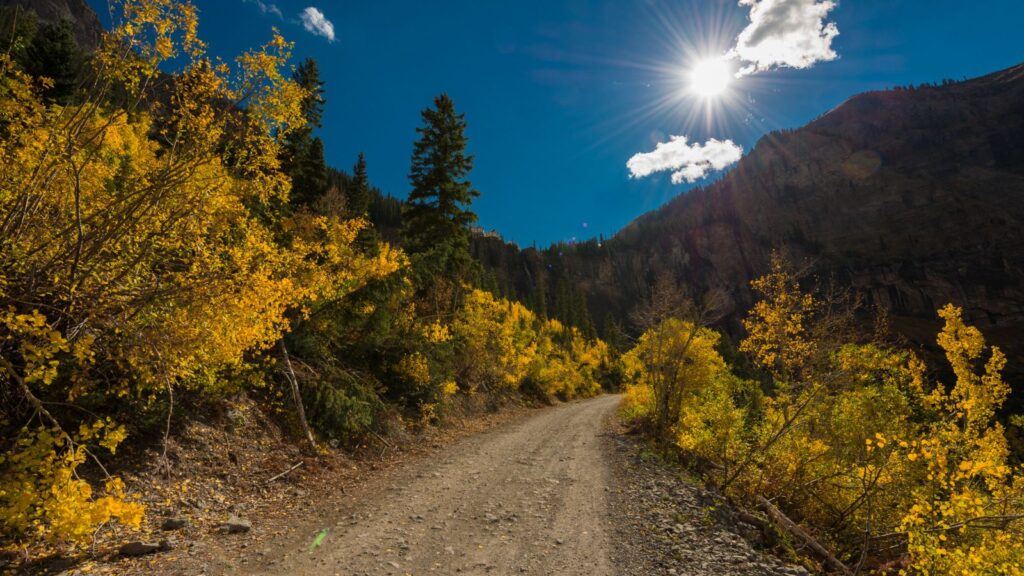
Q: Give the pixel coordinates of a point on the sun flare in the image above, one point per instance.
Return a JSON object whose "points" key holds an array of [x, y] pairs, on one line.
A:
{"points": [[710, 77]]}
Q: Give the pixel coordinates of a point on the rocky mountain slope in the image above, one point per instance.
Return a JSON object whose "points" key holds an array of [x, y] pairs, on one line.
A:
{"points": [[84, 21], [914, 197]]}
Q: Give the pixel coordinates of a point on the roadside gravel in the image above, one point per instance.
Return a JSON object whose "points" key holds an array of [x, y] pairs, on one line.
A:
{"points": [[667, 524]]}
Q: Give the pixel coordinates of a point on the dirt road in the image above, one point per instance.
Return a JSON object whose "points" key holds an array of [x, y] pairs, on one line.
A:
{"points": [[562, 490], [525, 498]]}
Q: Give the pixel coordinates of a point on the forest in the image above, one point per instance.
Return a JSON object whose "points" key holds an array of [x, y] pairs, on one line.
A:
{"points": [[171, 238]]}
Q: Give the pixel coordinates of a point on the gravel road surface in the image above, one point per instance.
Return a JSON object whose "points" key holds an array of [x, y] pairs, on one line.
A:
{"points": [[528, 497]]}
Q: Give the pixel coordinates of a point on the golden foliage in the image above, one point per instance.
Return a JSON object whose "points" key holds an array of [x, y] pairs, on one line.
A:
{"points": [[777, 336], [503, 345], [677, 360], [42, 496], [967, 515], [136, 235], [852, 438]]}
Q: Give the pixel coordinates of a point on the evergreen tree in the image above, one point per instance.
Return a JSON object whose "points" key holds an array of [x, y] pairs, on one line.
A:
{"points": [[358, 193], [540, 297], [307, 75], [17, 28], [54, 54], [614, 335], [303, 157], [437, 215], [563, 303], [581, 315]]}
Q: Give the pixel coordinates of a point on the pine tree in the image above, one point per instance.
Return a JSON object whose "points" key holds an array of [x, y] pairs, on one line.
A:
{"points": [[303, 157], [540, 296], [358, 192], [563, 303], [581, 315], [307, 75], [437, 215], [54, 54]]}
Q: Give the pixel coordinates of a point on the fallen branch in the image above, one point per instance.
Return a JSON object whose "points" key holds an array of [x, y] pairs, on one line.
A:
{"points": [[285, 473], [381, 438], [783, 522], [748, 518]]}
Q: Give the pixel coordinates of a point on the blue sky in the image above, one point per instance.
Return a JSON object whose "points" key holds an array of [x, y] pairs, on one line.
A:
{"points": [[559, 95]]}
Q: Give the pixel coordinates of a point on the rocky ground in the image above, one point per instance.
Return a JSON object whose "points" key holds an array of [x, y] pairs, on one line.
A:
{"points": [[665, 523]]}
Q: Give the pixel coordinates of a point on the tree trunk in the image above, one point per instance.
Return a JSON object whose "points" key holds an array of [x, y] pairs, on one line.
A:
{"points": [[783, 522], [296, 395]]}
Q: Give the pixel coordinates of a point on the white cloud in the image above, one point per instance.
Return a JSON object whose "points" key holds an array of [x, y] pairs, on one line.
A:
{"points": [[314, 21], [687, 162], [266, 7], [785, 33]]}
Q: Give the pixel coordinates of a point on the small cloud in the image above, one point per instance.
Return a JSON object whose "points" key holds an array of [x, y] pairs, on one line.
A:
{"points": [[687, 162], [785, 33], [266, 7], [314, 21]]}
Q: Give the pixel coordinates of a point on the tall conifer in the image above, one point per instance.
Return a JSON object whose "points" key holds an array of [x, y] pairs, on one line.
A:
{"points": [[303, 157], [437, 215], [359, 192]]}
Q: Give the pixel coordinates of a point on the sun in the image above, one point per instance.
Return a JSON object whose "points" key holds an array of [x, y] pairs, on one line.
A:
{"points": [[710, 77]]}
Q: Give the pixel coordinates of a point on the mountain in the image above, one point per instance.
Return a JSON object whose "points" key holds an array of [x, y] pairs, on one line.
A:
{"points": [[84, 21], [914, 197]]}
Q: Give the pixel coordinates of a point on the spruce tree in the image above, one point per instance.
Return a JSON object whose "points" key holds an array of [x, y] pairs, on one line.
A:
{"points": [[54, 54], [358, 193], [540, 296], [303, 157], [307, 75], [436, 215], [614, 335], [581, 315], [563, 303]]}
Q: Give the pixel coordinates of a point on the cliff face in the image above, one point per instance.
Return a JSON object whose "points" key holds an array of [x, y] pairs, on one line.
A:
{"points": [[914, 197], [84, 21]]}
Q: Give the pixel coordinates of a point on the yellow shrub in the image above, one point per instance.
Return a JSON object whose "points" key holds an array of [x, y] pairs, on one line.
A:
{"points": [[967, 515], [42, 496], [141, 230], [711, 423], [852, 440], [497, 340], [502, 344], [637, 403]]}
